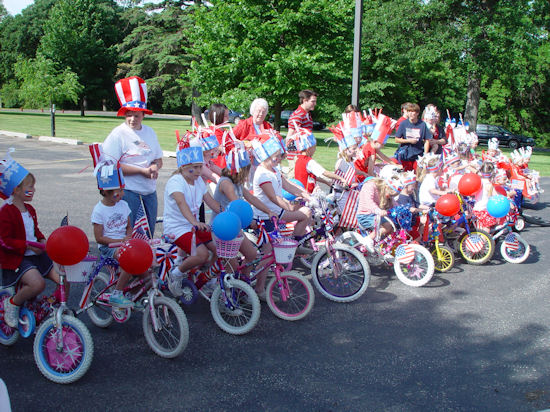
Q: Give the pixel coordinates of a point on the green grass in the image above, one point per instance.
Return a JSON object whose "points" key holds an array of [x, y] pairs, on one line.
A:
{"points": [[92, 128]]}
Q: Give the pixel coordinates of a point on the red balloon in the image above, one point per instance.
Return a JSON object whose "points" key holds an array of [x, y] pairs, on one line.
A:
{"points": [[500, 190], [135, 256], [67, 245], [448, 205], [469, 184]]}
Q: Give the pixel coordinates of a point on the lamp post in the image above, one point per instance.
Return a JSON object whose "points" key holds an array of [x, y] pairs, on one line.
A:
{"points": [[356, 52], [52, 117]]}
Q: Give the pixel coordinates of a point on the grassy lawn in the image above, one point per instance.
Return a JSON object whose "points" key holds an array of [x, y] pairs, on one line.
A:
{"points": [[94, 128]]}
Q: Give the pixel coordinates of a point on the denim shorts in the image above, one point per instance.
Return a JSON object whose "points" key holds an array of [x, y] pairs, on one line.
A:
{"points": [[107, 251], [41, 262], [366, 221]]}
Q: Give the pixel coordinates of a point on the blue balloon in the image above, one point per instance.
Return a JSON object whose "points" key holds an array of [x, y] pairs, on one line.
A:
{"points": [[242, 209], [297, 182], [289, 196], [498, 206], [226, 226]]}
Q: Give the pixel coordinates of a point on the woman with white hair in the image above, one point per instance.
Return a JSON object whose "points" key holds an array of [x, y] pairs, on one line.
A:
{"points": [[256, 124]]}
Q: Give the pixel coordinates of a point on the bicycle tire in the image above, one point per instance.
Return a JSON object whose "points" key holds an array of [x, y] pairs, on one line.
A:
{"points": [[8, 336], [78, 350], [353, 274], [512, 254], [446, 261], [301, 296], [101, 312], [419, 270], [481, 257], [167, 342], [247, 306]]}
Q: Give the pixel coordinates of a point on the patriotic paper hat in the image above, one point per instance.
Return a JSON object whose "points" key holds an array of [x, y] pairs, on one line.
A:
{"points": [[303, 139], [500, 174], [109, 175], [11, 175], [237, 158], [516, 156], [408, 178], [368, 122], [493, 143], [526, 153], [189, 149], [430, 161], [344, 141], [352, 124], [266, 145], [431, 113], [132, 95], [450, 157], [208, 139]]}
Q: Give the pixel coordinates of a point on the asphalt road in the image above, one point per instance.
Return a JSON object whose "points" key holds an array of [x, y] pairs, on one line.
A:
{"points": [[476, 338]]}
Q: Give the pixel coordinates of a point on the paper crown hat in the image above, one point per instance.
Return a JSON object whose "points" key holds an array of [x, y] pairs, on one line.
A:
{"points": [[207, 138], [303, 139], [430, 161], [11, 175], [107, 171], [450, 157], [344, 140], [237, 158], [493, 143], [408, 178], [189, 149], [266, 145], [132, 95]]}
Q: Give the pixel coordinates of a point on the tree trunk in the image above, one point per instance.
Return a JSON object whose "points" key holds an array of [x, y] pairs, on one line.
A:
{"points": [[104, 104], [195, 109], [83, 106], [472, 101]]}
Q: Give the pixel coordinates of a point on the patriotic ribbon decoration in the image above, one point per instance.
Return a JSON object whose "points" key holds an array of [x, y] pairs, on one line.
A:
{"points": [[111, 264], [402, 216], [262, 236], [165, 258]]}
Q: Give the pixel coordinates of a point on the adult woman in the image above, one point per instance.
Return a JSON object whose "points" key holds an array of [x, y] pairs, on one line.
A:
{"points": [[137, 148], [218, 115], [256, 124]]}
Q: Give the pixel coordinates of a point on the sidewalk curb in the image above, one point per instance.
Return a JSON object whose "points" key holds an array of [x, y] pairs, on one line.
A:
{"points": [[59, 140], [15, 134]]}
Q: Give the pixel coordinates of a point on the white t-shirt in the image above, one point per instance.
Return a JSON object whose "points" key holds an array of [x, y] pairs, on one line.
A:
{"points": [[113, 218], [29, 230], [425, 197], [174, 222], [313, 167], [482, 196], [262, 176], [137, 148]]}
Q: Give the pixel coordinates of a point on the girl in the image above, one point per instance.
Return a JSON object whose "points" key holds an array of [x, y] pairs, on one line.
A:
{"points": [[22, 265], [484, 220], [183, 196], [375, 198], [231, 187], [407, 198], [111, 223], [432, 118], [428, 174]]}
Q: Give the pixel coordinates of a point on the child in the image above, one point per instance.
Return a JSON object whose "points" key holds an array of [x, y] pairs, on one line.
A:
{"points": [[183, 196], [428, 175], [407, 198], [22, 265], [307, 170], [111, 223], [375, 198], [484, 220]]}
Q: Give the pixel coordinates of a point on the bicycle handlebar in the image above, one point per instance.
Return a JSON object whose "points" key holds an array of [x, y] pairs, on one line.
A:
{"points": [[36, 244]]}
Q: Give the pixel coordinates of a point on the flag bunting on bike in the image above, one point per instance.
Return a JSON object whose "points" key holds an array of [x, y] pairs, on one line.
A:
{"points": [[165, 258], [262, 234], [511, 241], [141, 228], [349, 214], [404, 254], [474, 243]]}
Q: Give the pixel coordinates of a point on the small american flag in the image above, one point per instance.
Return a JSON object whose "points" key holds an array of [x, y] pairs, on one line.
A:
{"points": [[404, 254], [511, 241], [349, 214], [96, 152], [348, 175], [286, 229], [474, 243], [141, 225]]}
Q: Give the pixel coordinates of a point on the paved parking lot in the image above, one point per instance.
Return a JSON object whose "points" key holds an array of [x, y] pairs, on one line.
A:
{"points": [[476, 338]]}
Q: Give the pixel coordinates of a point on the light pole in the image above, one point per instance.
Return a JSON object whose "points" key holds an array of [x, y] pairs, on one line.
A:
{"points": [[356, 52]]}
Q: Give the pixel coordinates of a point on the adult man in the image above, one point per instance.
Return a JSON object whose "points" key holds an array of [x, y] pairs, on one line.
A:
{"points": [[411, 135], [137, 148], [300, 118]]}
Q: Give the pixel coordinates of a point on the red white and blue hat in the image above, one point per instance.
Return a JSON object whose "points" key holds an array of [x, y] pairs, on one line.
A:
{"points": [[303, 139], [11, 175], [207, 138], [237, 158], [132, 95], [109, 175], [408, 178], [266, 145], [189, 149]]}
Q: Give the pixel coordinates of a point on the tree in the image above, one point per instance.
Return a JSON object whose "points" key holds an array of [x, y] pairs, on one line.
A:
{"points": [[272, 49], [82, 35]]}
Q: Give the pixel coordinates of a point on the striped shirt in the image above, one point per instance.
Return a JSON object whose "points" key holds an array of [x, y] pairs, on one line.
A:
{"points": [[301, 118]]}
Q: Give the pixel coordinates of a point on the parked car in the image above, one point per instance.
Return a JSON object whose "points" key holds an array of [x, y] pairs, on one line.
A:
{"points": [[234, 117], [285, 115], [506, 138]]}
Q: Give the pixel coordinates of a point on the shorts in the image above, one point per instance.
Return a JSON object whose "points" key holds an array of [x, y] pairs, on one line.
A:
{"points": [[41, 262], [366, 221], [184, 241], [486, 220], [268, 223], [107, 251]]}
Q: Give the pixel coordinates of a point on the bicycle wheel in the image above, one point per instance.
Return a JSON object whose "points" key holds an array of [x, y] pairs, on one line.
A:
{"points": [[413, 264], [343, 277], [446, 259], [245, 311], [476, 247], [172, 335], [299, 296], [514, 249], [8, 336], [73, 361], [101, 312]]}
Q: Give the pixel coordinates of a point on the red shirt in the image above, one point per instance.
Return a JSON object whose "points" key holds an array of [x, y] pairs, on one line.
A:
{"points": [[13, 238], [220, 160], [301, 118], [300, 172], [245, 129]]}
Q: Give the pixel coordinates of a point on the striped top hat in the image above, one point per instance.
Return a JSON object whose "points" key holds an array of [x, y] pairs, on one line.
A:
{"points": [[132, 95], [11, 175]]}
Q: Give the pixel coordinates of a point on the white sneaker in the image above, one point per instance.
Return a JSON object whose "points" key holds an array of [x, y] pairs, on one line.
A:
{"points": [[369, 244], [11, 313], [208, 287], [174, 285]]}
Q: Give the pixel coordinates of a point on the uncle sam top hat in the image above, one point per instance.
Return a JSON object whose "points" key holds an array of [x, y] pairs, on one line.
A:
{"points": [[11, 175], [132, 95], [189, 149]]}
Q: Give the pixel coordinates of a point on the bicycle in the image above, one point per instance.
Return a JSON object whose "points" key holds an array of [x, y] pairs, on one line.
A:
{"points": [[63, 347], [513, 248], [443, 255], [164, 323], [412, 263]]}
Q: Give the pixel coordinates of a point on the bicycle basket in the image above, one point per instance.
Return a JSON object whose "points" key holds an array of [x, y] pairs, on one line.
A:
{"points": [[228, 248], [80, 272], [284, 250]]}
